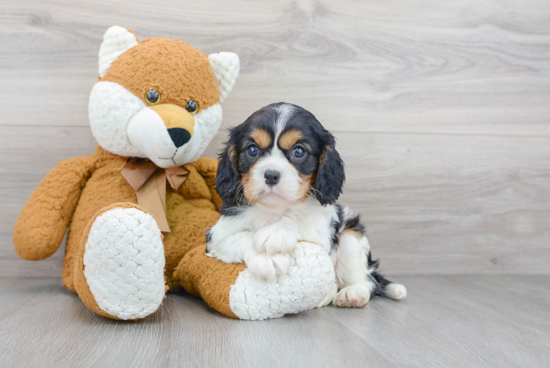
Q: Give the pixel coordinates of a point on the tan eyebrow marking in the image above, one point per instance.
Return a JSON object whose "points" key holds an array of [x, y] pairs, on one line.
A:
{"points": [[261, 137], [289, 138]]}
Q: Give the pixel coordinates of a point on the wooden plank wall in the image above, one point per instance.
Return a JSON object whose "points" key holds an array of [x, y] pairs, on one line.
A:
{"points": [[441, 109]]}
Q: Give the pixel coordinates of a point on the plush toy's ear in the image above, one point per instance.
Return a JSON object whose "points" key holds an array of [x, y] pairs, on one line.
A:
{"points": [[330, 174], [116, 41], [226, 67]]}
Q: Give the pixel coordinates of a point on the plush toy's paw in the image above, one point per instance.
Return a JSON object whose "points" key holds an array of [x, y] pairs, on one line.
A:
{"points": [[329, 298], [353, 296], [310, 278], [275, 239], [124, 263]]}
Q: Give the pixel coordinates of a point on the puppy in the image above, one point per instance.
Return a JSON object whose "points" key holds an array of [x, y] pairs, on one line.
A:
{"points": [[279, 177]]}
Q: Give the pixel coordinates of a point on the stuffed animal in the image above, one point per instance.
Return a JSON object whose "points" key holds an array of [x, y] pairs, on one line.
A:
{"points": [[139, 207]]}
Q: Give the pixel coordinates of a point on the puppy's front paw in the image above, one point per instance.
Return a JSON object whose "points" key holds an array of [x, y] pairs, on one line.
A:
{"points": [[281, 263], [354, 296], [262, 268], [267, 268], [274, 239]]}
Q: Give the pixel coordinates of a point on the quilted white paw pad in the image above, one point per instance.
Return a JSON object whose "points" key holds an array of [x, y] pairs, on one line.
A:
{"points": [[310, 278], [124, 263]]}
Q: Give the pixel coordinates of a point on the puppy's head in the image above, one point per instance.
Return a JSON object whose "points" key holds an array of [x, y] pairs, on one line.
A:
{"points": [[280, 154]]}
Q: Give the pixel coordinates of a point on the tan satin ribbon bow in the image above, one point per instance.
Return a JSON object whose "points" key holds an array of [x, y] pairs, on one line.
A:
{"points": [[149, 182]]}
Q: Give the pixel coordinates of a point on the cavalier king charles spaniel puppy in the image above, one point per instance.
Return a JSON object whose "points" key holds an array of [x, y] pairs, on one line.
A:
{"points": [[279, 177]]}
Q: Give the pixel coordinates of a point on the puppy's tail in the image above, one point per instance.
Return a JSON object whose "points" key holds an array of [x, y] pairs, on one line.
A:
{"points": [[389, 289]]}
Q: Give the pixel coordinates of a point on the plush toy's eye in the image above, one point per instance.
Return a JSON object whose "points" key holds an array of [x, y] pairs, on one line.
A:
{"points": [[253, 150], [299, 152], [152, 96], [192, 107]]}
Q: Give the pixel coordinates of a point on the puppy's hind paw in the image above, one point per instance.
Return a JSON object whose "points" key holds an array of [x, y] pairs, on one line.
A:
{"points": [[354, 296]]}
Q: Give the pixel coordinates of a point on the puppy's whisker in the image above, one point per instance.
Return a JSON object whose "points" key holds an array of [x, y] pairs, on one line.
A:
{"points": [[313, 192], [240, 193]]}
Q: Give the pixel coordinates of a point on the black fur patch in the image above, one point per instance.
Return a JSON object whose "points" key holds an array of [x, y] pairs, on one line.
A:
{"points": [[336, 225], [208, 236], [354, 224], [380, 283], [229, 210], [330, 176], [372, 264]]}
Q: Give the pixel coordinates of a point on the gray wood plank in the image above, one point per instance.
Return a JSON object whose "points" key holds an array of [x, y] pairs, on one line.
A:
{"points": [[15, 292], [462, 321], [450, 204], [482, 321], [433, 204], [183, 333], [420, 67]]}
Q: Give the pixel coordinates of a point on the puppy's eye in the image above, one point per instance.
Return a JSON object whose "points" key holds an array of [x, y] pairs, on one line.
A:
{"points": [[152, 96], [299, 152], [252, 151], [192, 107]]}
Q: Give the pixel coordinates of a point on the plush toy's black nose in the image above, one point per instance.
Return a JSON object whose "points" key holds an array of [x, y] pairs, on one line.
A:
{"points": [[179, 136], [272, 177]]}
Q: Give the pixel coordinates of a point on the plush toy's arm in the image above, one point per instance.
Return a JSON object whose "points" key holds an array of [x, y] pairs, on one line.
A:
{"points": [[42, 223], [208, 168]]}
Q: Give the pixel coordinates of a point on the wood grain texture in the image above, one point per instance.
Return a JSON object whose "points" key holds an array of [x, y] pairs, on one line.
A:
{"points": [[433, 204], [467, 321], [452, 67], [441, 110]]}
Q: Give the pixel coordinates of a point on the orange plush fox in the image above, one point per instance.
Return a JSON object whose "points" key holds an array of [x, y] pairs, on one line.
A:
{"points": [[138, 208]]}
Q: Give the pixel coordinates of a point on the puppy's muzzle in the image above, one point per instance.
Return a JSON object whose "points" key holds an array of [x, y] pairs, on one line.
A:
{"points": [[272, 177]]}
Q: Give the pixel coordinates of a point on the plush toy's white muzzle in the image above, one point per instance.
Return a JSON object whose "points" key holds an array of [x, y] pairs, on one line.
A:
{"points": [[147, 131]]}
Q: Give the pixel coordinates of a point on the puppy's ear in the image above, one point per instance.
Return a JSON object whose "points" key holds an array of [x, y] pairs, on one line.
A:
{"points": [[330, 174], [228, 178]]}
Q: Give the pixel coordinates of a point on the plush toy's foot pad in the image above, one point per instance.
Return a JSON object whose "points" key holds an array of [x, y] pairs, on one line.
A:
{"points": [[124, 263], [310, 278]]}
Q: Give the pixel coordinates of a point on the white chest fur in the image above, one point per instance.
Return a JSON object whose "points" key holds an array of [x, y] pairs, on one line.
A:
{"points": [[311, 220]]}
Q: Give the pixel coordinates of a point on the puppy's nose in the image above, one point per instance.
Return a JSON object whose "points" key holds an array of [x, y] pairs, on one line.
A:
{"points": [[179, 136], [272, 177]]}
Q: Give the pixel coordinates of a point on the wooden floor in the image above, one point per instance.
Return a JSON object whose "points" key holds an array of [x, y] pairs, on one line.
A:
{"points": [[454, 321]]}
